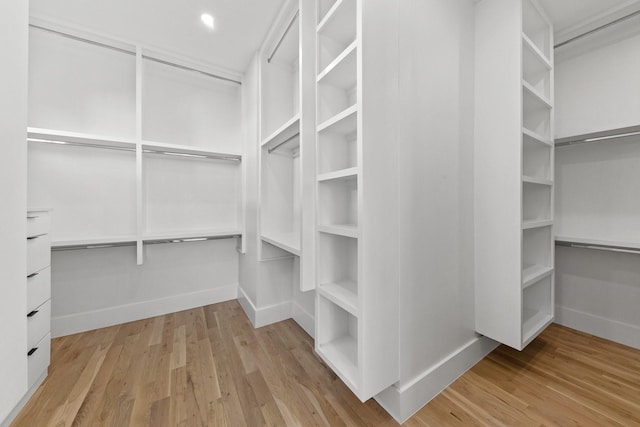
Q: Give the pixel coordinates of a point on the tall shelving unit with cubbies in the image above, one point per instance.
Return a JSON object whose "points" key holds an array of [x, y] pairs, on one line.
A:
{"points": [[356, 306], [514, 168], [287, 140]]}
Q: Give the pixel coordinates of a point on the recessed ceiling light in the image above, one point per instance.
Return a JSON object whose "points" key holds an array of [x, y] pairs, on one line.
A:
{"points": [[207, 20]]}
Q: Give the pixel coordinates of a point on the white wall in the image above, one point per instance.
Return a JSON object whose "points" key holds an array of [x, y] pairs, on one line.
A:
{"points": [[13, 164], [437, 338]]}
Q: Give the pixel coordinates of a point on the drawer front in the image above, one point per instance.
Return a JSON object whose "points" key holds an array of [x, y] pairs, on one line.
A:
{"points": [[38, 288], [37, 223], [38, 253], [38, 361], [38, 324]]}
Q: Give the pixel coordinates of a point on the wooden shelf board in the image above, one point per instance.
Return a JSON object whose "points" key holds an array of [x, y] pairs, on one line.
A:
{"points": [[346, 230], [344, 293], [341, 355], [539, 181], [343, 123], [77, 138], [532, 136], [534, 273], [283, 133], [339, 22], [289, 242], [342, 71], [527, 225], [535, 95], [535, 50], [349, 173], [533, 323]]}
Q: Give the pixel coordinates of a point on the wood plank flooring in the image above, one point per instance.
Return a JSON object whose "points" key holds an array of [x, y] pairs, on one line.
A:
{"points": [[210, 367]]}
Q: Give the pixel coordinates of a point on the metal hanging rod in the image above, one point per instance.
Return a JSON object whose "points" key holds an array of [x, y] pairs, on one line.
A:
{"points": [[275, 49], [133, 52], [599, 247], [608, 135], [275, 147], [601, 27], [189, 239], [183, 67], [85, 40], [230, 157], [212, 156], [93, 246], [79, 144]]}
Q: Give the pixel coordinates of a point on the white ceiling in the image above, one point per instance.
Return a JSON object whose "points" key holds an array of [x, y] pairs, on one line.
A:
{"points": [[568, 13], [174, 25]]}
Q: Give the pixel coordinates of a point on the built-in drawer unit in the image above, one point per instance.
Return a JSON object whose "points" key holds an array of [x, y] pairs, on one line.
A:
{"points": [[38, 359], [38, 288], [38, 351], [38, 253], [37, 223], [38, 324]]}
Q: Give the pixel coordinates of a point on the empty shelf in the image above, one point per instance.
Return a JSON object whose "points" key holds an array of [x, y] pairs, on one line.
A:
{"points": [[346, 230], [528, 44], [531, 136], [342, 72], [345, 122], [344, 293], [350, 173], [94, 242], [186, 151], [342, 355], [194, 235], [289, 242], [533, 273], [533, 323], [527, 225], [533, 99], [339, 23], [588, 243], [533, 180], [284, 136]]}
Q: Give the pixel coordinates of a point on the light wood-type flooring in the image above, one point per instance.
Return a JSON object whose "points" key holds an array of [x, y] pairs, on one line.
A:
{"points": [[210, 367]]}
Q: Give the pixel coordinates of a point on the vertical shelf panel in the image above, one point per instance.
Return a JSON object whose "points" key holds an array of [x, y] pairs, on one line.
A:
{"points": [[514, 245]]}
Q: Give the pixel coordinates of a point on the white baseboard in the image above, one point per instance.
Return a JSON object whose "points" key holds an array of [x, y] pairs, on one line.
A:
{"points": [[303, 318], [266, 315], [14, 413], [81, 322], [276, 313], [602, 327], [404, 400]]}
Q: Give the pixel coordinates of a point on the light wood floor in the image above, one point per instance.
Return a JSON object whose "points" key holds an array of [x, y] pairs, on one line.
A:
{"points": [[209, 367]]}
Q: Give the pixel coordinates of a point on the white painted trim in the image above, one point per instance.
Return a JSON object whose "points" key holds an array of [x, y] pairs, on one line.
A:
{"points": [[405, 399], [303, 318], [14, 413], [81, 322], [247, 305], [267, 315], [609, 329], [273, 313]]}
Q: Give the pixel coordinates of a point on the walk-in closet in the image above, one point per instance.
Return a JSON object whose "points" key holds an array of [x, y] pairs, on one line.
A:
{"points": [[320, 212]]}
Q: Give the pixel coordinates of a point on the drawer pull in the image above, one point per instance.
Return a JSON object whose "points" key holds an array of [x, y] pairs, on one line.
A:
{"points": [[33, 313], [33, 350], [33, 275]]}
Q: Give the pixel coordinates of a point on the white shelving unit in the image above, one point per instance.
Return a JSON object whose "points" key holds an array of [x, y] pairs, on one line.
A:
{"points": [[514, 163], [113, 196], [286, 158], [356, 309]]}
